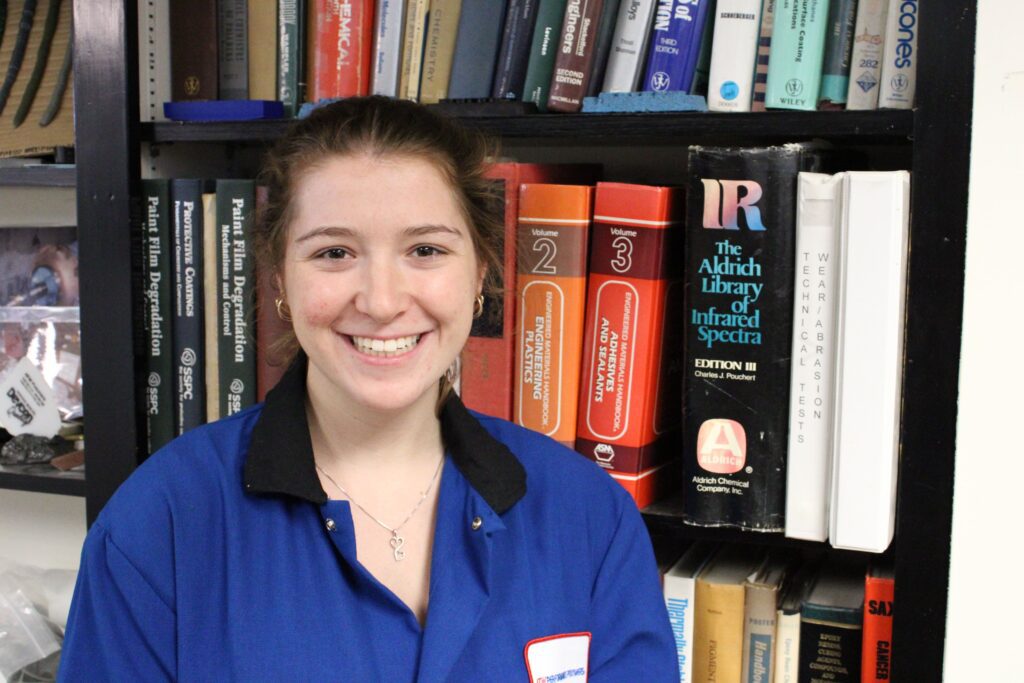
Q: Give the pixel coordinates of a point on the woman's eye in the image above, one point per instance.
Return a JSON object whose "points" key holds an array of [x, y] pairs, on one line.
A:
{"points": [[426, 251], [334, 254]]}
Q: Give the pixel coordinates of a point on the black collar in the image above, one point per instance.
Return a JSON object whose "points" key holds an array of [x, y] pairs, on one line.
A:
{"points": [[280, 457]]}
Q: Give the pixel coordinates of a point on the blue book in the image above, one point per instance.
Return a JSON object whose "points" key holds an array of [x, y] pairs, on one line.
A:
{"points": [[476, 48], [675, 44], [223, 110]]}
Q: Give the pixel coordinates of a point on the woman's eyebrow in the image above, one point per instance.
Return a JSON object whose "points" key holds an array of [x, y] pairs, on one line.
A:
{"points": [[412, 231]]}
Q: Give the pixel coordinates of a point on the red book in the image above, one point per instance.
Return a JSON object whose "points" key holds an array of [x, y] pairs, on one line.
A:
{"points": [[630, 389], [876, 654], [342, 34], [488, 359]]}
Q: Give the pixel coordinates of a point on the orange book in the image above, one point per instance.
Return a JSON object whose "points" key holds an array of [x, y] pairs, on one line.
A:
{"points": [[342, 39], [876, 654], [551, 288], [631, 384], [488, 359]]}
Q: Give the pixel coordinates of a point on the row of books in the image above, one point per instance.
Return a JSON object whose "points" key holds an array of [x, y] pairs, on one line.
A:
{"points": [[742, 614], [741, 54], [745, 329], [198, 296]]}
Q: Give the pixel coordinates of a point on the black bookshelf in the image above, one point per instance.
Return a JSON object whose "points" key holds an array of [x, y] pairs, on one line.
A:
{"points": [[876, 127], [38, 175], [934, 139], [42, 480]]}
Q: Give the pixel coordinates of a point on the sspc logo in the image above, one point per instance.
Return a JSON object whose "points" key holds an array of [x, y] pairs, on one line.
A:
{"points": [[721, 446], [188, 358], [154, 379], [237, 386]]}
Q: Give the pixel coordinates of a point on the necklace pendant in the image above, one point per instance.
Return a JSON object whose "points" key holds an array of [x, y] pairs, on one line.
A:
{"points": [[396, 543]]}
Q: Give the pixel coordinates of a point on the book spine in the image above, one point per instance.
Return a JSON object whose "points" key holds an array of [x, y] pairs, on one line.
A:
{"points": [[514, 55], [211, 371], [541, 64], [734, 55], [232, 50], [476, 48], [389, 19], [869, 359], [702, 73], [262, 40], [899, 61], [575, 55], [187, 325], [718, 632], [759, 604], [866, 58], [625, 69], [627, 402], [675, 44], [787, 647], [291, 21], [739, 306], [341, 34], [159, 307], [813, 358], [835, 72], [876, 655], [798, 50], [154, 59], [551, 284], [603, 47], [764, 49], [193, 30], [829, 651], [235, 348], [679, 599], [488, 360], [416, 18], [440, 47]]}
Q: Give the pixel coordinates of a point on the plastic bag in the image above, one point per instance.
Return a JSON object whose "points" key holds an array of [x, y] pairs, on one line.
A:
{"points": [[25, 636], [50, 337]]}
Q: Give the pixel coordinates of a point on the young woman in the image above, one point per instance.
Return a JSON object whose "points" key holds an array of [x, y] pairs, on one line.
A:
{"points": [[362, 524]]}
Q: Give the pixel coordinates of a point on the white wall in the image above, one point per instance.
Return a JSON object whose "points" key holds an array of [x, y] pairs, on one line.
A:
{"points": [[983, 624], [41, 530]]}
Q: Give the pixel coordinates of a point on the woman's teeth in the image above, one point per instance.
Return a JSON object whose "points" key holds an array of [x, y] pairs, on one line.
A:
{"points": [[385, 347]]}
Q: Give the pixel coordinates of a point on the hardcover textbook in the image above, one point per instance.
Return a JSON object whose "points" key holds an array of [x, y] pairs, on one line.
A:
{"points": [[741, 216]]}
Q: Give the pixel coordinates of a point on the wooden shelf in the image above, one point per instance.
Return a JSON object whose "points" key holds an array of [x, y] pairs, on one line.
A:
{"points": [[875, 127], [42, 479], [39, 175]]}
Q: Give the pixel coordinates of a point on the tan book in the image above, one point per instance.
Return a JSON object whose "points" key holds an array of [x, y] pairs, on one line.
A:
{"points": [[263, 49], [760, 614], [718, 619], [210, 305], [439, 48], [416, 14]]}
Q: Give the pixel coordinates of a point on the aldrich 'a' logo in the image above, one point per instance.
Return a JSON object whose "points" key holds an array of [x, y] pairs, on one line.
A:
{"points": [[722, 204]]}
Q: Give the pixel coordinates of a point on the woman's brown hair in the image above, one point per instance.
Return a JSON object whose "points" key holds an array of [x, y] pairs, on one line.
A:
{"points": [[379, 127]]}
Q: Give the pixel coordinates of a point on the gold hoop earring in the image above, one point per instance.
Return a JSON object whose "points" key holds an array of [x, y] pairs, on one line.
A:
{"points": [[478, 306], [284, 315]]}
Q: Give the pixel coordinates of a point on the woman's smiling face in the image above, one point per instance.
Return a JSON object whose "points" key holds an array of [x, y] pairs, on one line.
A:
{"points": [[380, 275]]}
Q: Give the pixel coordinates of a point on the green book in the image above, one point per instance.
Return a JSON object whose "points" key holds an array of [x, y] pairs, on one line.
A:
{"points": [[157, 293], [291, 51], [236, 350], [798, 49], [835, 74], [542, 52]]}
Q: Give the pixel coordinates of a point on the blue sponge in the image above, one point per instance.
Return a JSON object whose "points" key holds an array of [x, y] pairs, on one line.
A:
{"points": [[608, 102]]}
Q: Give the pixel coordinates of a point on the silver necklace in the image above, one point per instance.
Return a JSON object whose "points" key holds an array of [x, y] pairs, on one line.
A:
{"points": [[396, 541]]}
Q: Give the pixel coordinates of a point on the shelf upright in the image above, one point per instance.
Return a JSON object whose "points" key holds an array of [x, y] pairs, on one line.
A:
{"points": [[935, 290], [107, 156]]}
